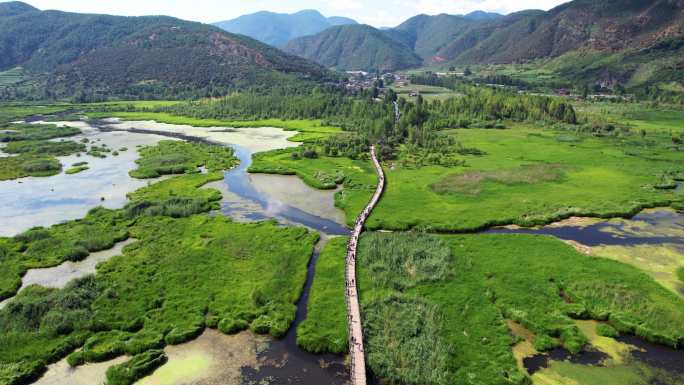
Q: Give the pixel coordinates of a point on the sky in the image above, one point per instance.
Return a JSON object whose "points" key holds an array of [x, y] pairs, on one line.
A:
{"points": [[378, 13]]}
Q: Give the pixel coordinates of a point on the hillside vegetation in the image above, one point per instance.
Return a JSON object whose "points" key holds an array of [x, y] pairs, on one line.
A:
{"points": [[354, 47], [114, 54]]}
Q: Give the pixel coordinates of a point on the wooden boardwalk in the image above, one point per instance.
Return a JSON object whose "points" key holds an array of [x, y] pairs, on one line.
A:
{"points": [[358, 362]]}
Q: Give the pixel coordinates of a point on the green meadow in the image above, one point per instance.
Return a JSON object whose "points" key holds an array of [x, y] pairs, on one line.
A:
{"points": [[447, 298], [181, 276], [529, 176], [637, 115], [325, 328], [185, 272]]}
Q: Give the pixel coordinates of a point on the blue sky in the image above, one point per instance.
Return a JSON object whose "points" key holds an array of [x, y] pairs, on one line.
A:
{"points": [[379, 13]]}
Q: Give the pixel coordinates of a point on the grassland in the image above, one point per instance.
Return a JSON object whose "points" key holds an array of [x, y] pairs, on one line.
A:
{"points": [[10, 112], [35, 132], [427, 92], [186, 272], [530, 176], [42, 147], [455, 313], [637, 115], [176, 157], [180, 277], [325, 329]]}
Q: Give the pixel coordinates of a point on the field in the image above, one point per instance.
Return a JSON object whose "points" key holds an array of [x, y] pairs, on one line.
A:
{"points": [[637, 115], [530, 176], [11, 76], [446, 299], [427, 92]]}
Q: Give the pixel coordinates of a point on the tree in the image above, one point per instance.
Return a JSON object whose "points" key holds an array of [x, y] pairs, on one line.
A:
{"points": [[467, 72], [585, 91]]}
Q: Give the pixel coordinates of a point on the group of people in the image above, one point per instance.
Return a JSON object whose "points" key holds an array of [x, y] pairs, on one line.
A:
{"points": [[350, 281]]}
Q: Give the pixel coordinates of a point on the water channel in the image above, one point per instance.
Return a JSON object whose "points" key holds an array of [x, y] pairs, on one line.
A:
{"points": [[248, 198], [653, 241]]}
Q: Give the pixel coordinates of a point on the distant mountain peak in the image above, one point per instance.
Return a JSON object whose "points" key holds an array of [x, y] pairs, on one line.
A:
{"points": [[13, 8], [277, 29], [482, 15]]}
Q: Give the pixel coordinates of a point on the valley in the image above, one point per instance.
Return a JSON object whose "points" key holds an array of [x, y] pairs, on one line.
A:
{"points": [[291, 198]]}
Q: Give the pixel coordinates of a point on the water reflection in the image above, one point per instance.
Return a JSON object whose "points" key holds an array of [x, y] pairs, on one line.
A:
{"points": [[45, 201], [260, 205]]}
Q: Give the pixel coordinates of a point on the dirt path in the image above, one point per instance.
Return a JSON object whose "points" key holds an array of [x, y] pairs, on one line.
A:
{"points": [[358, 363]]}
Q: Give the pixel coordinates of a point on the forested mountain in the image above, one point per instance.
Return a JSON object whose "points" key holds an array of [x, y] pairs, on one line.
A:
{"points": [[354, 47], [13, 8], [427, 35], [481, 15], [110, 53], [605, 26], [608, 26], [632, 42], [277, 29]]}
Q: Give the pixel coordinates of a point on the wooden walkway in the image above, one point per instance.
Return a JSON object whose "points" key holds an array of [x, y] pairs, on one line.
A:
{"points": [[358, 362]]}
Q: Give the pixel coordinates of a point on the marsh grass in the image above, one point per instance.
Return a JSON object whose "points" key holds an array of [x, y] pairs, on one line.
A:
{"points": [[175, 157], [14, 167], [537, 281], [401, 261], [405, 341], [324, 329], [42, 147], [600, 177], [136, 368], [182, 276], [35, 132], [473, 182], [76, 170]]}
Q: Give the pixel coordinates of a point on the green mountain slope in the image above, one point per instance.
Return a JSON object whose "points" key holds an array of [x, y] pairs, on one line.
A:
{"points": [[605, 26], [427, 35], [13, 8], [354, 47], [277, 29], [111, 52]]}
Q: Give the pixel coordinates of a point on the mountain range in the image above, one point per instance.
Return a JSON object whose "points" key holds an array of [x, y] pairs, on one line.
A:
{"points": [[632, 42], [277, 29], [628, 41], [114, 52]]}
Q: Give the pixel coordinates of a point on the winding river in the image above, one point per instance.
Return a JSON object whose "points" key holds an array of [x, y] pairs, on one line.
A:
{"points": [[245, 198], [653, 241]]}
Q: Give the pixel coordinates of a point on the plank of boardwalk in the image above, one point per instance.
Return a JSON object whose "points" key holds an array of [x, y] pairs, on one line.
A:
{"points": [[358, 362]]}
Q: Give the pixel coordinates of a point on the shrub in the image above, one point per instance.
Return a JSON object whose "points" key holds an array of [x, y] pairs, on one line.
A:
{"points": [[543, 343], [232, 326], [41, 166], [606, 330], [136, 368]]}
